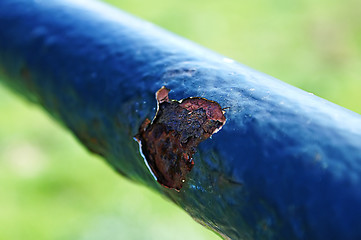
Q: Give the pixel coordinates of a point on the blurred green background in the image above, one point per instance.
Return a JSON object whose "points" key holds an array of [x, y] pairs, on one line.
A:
{"points": [[52, 188]]}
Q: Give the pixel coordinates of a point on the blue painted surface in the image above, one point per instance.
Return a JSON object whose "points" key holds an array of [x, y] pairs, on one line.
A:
{"points": [[287, 164]]}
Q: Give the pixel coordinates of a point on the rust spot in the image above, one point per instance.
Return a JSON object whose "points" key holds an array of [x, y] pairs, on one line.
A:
{"points": [[168, 143]]}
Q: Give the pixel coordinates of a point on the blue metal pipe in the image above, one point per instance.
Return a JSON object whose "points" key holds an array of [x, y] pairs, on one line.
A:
{"points": [[286, 164]]}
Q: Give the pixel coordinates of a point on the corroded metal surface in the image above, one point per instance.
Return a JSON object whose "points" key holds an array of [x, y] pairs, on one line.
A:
{"points": [[168, 143], [286, 165]]}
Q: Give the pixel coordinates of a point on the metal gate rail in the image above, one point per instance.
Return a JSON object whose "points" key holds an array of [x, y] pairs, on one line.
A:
{"points": [[286, 164]]}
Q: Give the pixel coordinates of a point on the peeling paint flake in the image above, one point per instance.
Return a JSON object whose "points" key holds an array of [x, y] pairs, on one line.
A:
{"points": [[168, 143]]}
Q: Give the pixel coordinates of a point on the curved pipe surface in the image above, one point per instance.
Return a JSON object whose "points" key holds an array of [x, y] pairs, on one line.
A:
{"points": [[286, 165]]}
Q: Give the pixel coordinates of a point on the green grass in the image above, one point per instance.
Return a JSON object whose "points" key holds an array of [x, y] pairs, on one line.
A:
{"points": [[51, 188]]}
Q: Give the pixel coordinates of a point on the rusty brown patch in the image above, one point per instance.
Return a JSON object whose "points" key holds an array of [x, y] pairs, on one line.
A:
{"points": [[170, 140]]}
